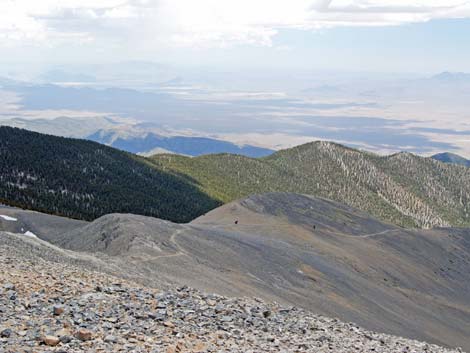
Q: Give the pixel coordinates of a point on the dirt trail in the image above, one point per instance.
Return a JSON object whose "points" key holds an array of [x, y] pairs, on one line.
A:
{"points": [[180, 251], [238, 226]]}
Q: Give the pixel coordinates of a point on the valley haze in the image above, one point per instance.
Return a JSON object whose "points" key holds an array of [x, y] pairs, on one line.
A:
{"points": [[382, 114]]}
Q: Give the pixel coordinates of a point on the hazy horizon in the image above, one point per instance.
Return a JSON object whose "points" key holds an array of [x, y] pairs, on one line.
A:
{"points": [[380, 75]]}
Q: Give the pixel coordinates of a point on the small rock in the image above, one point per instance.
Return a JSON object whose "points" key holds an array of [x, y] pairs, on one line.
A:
{"points": [[168, 324], [51, 340], [211, 302], [179, 346], [9, 286], [6, 333], [110, 339], [62, 332], [66, 339], [58, 310], [84, 335]]}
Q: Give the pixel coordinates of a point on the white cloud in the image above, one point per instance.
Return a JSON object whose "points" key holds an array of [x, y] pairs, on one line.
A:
{"points": [[204, 22]]}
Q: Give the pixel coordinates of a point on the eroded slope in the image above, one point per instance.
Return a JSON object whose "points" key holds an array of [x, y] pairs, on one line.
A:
{"points": [[296, 249]]}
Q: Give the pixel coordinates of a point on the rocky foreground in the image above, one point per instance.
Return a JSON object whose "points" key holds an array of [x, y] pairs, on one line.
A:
{"points": [[50, 306]]}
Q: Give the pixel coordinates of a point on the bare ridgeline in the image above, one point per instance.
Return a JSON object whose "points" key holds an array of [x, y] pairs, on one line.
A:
{"points": [[119, 283]]}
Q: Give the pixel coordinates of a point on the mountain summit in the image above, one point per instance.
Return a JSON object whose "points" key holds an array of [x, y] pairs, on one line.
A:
{"points": [[403, 188]]}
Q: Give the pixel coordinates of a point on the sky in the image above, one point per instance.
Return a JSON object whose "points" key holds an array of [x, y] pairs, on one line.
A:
{"points": [[421, 36]]}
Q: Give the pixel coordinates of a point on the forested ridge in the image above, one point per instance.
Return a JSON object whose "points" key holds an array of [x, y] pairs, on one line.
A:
{"points": [[403, 189], [84, 180]]}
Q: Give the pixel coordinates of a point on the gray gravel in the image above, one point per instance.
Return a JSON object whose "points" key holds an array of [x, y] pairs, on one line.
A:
{"points": [[60, 306]]}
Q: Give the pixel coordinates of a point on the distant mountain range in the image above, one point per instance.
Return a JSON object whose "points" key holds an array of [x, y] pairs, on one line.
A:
{"points": [[62, 126], [452, 77], [144, 143], [451, 158], [403, 188], [133, 137]]}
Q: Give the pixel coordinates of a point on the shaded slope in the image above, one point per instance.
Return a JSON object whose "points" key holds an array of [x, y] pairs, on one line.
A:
{"points": [[329, 258], [403, 189], [84, 180], [451, 158], [44, 225]]}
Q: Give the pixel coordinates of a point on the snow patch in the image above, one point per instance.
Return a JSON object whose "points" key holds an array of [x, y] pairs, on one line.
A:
{"points": [[30, 234], [8, 218]]}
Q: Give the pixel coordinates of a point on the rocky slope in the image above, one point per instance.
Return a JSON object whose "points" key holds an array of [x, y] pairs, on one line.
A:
{"points": [[403, 189], [50, 304], [296, 250]]}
